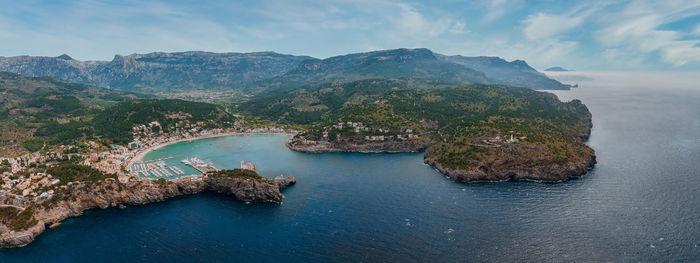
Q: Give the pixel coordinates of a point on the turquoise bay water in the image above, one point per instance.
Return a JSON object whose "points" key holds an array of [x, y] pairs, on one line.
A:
{"points": [[641, 202], [220, 151]]}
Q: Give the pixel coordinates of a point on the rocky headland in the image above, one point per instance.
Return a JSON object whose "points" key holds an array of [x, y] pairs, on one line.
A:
{"points": [[507, 161], [511, 168], [514, 163], [82, 196], [504, 168]]}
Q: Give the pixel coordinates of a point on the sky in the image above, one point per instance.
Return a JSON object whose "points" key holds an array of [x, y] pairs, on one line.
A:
{"points": [[609, 35]]}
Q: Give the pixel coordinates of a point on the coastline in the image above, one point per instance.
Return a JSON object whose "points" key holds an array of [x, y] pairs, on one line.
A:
{"points": [[102, 194], [138, 157], [489, 170], [535, 173], [484, 172]]}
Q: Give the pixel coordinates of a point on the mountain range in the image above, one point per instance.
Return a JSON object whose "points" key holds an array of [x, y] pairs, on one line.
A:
{"points": [[159, 72], [253, 73]]}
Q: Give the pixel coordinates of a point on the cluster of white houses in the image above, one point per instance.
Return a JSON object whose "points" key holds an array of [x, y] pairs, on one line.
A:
{"points": [[358, 127], [498, 140], [18, 189], [409, 136]]}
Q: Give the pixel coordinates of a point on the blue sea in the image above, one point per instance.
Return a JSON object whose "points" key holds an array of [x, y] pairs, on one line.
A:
{"points": [[641, 202]]}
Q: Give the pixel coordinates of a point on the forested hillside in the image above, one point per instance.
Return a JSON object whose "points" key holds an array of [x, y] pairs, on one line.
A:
{"points": [[43, 112], [465, 126], [28, 104]]}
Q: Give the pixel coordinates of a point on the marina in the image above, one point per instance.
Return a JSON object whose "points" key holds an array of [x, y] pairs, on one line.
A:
{"points": [[166, 168], [156, 168], [200, 165]]}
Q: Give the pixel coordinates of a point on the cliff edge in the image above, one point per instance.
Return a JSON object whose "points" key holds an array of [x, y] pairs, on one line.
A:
{"points": [[81, 196]]}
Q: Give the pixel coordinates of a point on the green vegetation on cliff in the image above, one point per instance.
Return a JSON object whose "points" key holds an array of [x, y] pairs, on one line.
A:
{"points": [[17, 219], [466, 124], [239, 173]]}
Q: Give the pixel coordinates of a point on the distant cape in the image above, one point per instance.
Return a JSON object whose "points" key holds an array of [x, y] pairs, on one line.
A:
{"points": [[557, 69]]}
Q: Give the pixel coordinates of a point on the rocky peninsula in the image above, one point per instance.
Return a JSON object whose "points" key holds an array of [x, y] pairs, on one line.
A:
{"points": [[521, 161], [498, 158], [20, 225], [505, 167]]}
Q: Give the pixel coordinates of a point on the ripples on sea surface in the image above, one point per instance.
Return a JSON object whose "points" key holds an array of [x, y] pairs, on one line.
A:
{"points": [[641, 202]]}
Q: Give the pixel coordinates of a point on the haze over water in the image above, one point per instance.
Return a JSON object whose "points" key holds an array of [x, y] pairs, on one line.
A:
{"points": [[641, 202]]}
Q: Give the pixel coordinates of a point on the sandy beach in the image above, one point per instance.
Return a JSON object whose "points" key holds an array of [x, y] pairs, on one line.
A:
{"points": [[141, 154]]}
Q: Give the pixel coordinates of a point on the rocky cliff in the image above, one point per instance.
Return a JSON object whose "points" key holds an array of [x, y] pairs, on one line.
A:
{"points": [[79, 197], [513, 166], [502, 169], [510, 167], [505, 162], [506, 169]]}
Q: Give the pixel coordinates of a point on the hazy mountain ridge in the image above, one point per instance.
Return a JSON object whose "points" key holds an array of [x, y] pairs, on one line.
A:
{"points": [[18, 91], [159, 72], [514, 73], [196, 72], [421, 64]]}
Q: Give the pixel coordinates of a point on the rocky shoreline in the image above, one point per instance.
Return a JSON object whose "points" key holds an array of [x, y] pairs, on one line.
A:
{"points": [[530, 169], [489, 171], [493, 170], [136, 191]]}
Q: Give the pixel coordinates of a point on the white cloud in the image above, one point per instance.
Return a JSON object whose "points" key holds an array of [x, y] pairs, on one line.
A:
{"points": [[96, 30], [411, 24], [496, 9], [636, 28], [542, 25], [680, 53], [626, 30], [459, 27]]}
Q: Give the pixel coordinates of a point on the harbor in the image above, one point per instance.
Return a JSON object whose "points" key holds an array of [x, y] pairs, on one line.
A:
{"points": [[159, 168], [200, 165], [175, 162], [156, 168]]}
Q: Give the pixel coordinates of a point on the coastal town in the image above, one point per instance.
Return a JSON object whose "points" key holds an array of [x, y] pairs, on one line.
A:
{"points": [[23, 180]]}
